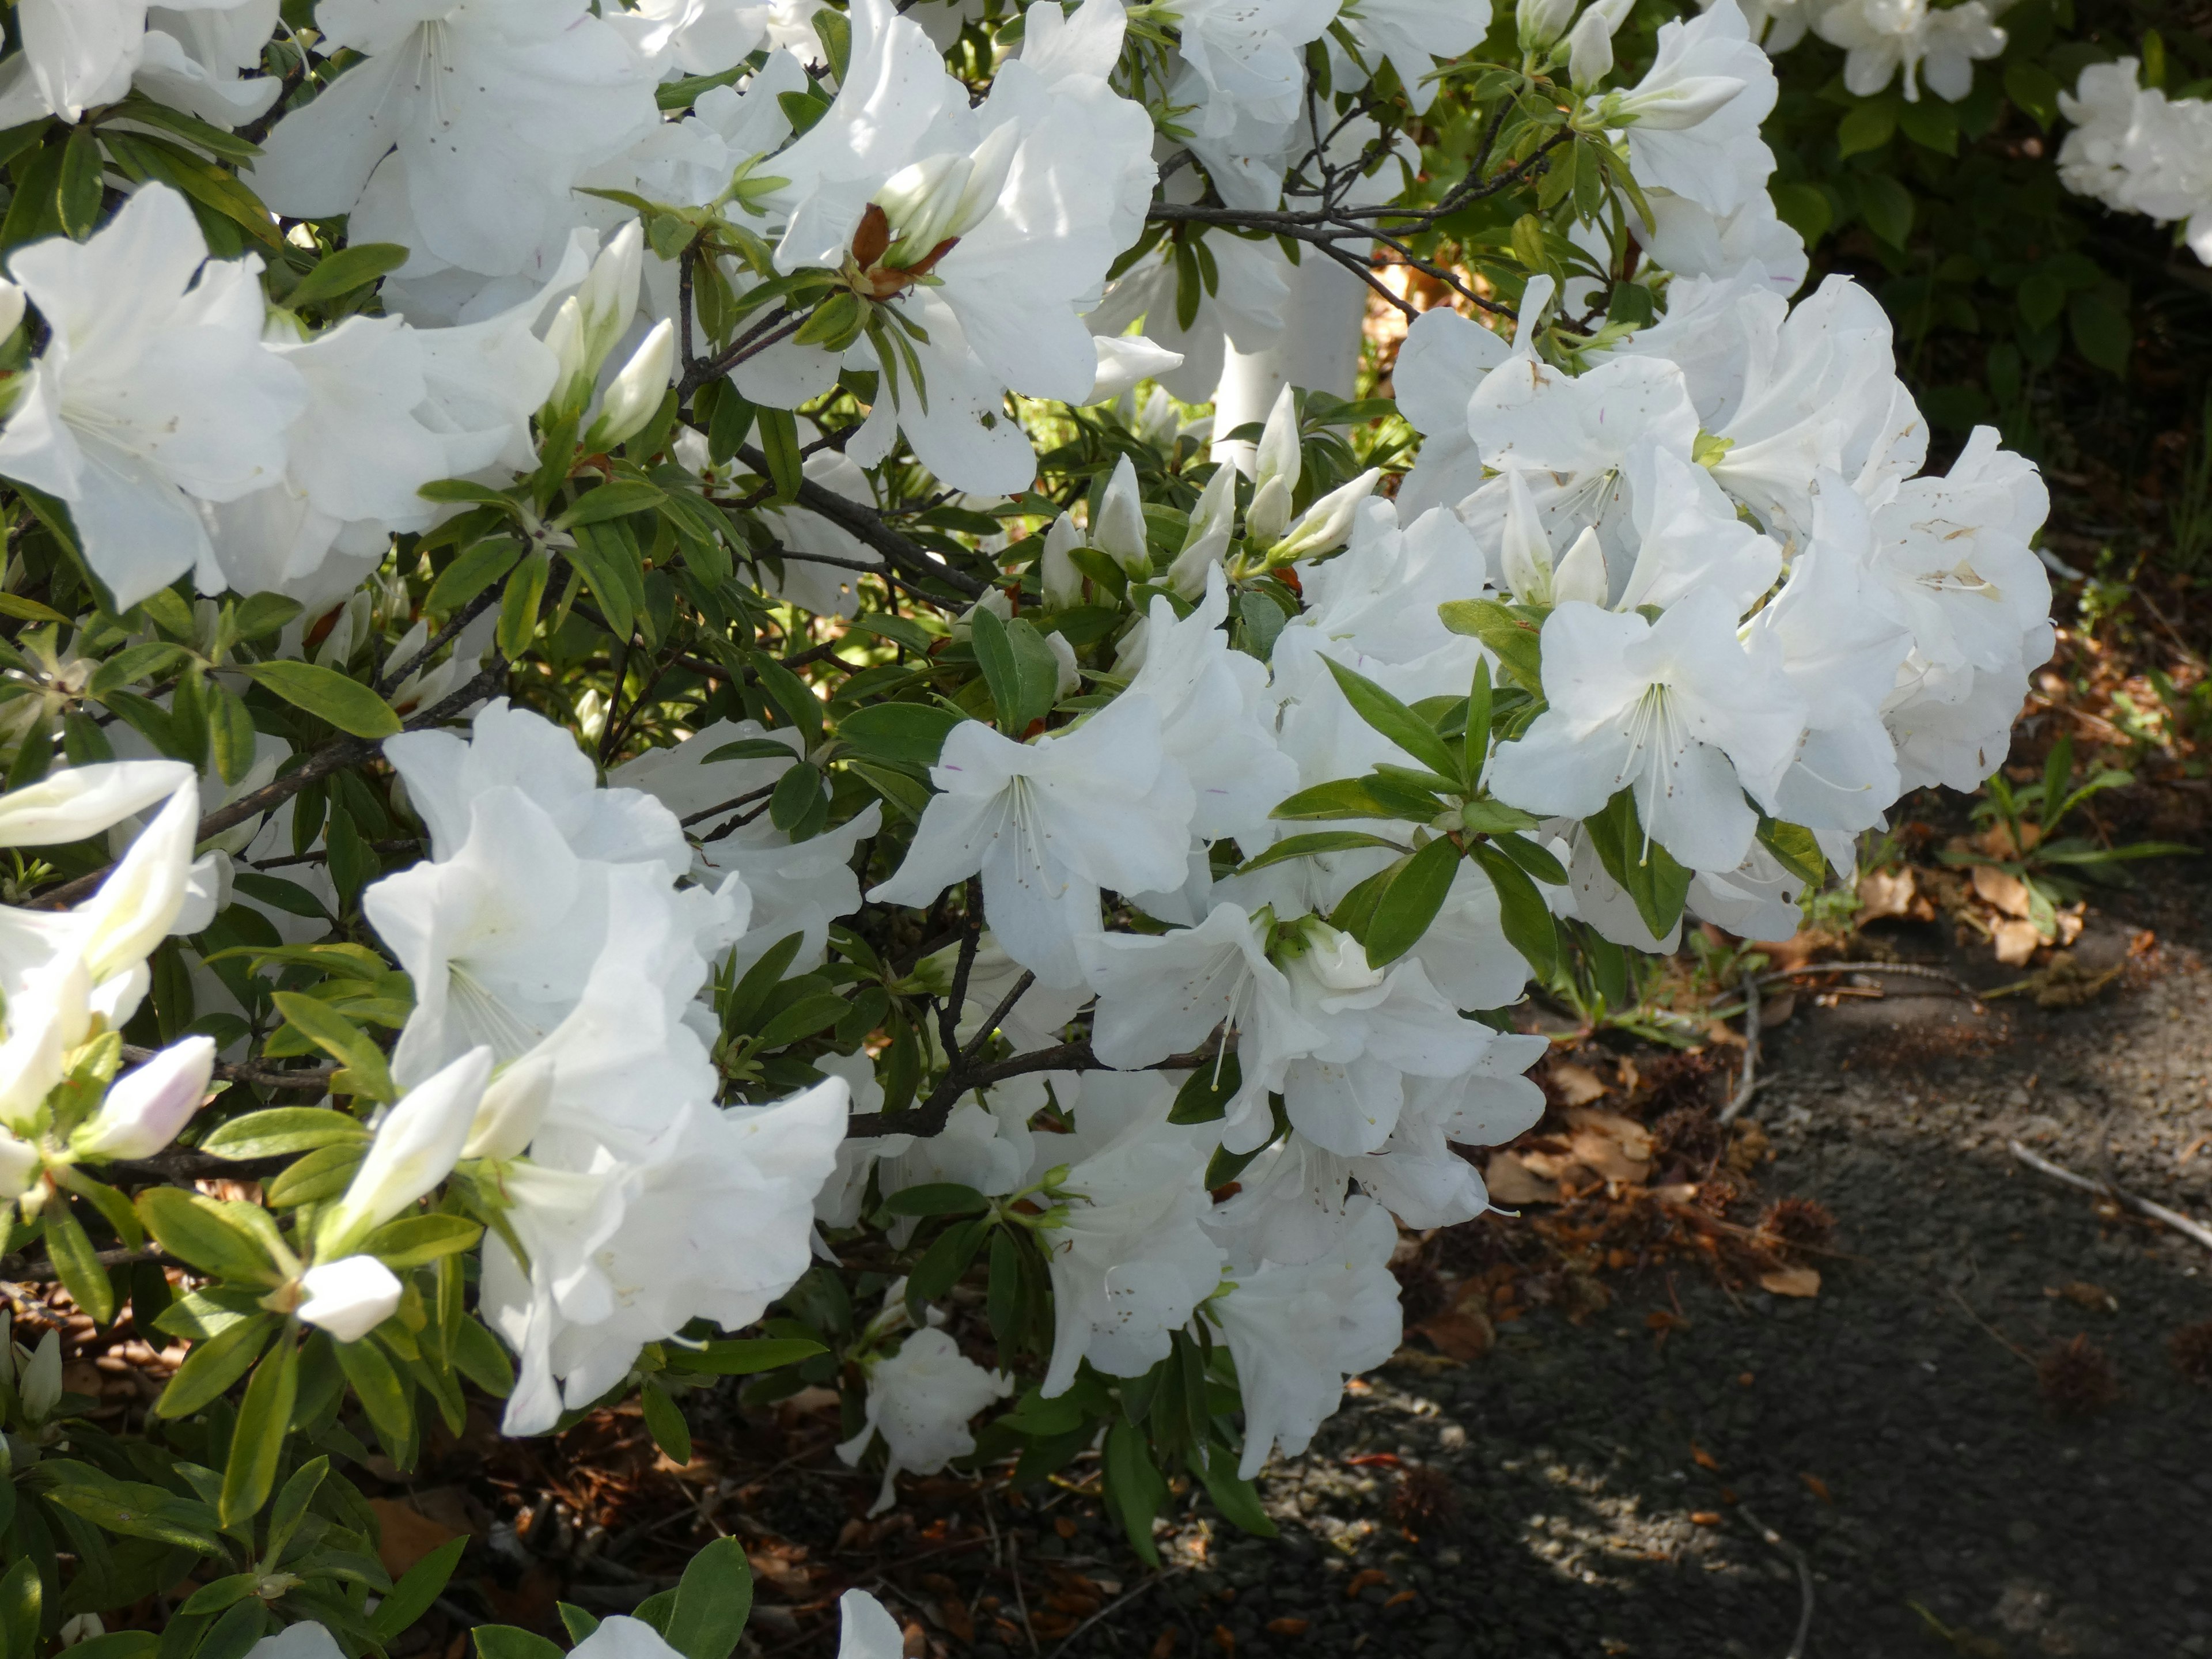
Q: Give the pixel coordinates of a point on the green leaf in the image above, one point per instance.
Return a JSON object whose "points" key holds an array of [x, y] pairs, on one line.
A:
{"points": [[1375, 796], [1395, 721], [518, 605], [479, 1358], [1411, 902], [1206, 1092], [21, 1592], [216, 1596], [475, 570], [2034, 88], [1868, 126], [1645, 869], [417, 1588], [198, 177], [1522, 915], [744, 1357], [713, 1599], [77, 1262], [79, 195], [257, 1445], [803, 1018], [1237, 1500], [291, 1506], [1535, 859], [416, 1240], [601, 561], [908, 733], [1135, 1490], [214, 1365], [340, 1039], [2101, 330], [613, 501], [133, 664], [328, 695], [1018, 692], [282, 1130], [322, 1174], [942, 1264], [936, 1198], [505, 1642], [388, 1401], [665, 1423], [344, 271], [1474, 739], [1321, 840], [1514, 641], [779, 440], [1887, 206], [1796, 847], [195, 1229], [1932, 123]]}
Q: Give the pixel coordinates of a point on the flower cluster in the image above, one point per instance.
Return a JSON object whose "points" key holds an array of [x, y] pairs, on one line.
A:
{"points": [[2138, 151]]}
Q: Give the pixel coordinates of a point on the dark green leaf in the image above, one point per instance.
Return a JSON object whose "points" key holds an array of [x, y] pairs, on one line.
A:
{"points": [[264, 1417], [665, 1423], [1514, 641], [713, 1600], [347, 269], [1522, 915], [1409, 903], [744, 1357], [1395, 721], [911, 733], [328, 695], [936, 1198]]}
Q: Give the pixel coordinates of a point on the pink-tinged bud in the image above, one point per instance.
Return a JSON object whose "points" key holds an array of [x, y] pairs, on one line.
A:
{"points": [[349, 1297], [145, 1109]]}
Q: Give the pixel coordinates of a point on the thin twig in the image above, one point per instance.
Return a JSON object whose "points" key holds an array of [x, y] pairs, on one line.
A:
{"points": [[1910, 969], [1748, 1081], [1115, 1606], [312, 1077], [1775, 1540], [2142, 1206], [1021, 1597]]}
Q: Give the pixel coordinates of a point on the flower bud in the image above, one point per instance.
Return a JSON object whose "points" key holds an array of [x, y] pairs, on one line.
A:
{"points": [[1540, 22], [1326, 522], [608, 299], [920, 200], [565, 337], [1061, 581], [416, 1148], [145, 1109], [1590, 50], [1278, 455], [1677, 106], [1581, 573], [349, 1297], [132, 911], [513, 1107], [1119, 530], [636, 394], [989, 164], [1207, 542], [1269, 514]]}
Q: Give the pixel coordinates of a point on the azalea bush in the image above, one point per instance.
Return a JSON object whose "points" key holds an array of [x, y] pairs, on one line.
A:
{"points": [[645, 745]]}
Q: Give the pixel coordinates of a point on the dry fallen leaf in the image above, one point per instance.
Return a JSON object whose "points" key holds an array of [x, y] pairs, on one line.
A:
{"points": [[1704, 1517], [1463, 1334], [1775, 1009], [1578, 1085], [2016, 942], [2007, 893], [1511, 1181], [404, 1535], [1886, 893], [1818, 1487], [1792, 1282], [1287, 1627], [1362, 1579], [1702, 1458]]}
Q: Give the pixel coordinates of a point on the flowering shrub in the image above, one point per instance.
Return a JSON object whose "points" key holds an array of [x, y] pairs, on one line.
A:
{"points": [[620, 717]]}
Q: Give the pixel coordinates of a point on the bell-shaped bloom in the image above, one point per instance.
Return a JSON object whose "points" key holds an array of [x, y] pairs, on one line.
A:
{"points": [[1676, 711], [1047, 825], [206, 59], [76, 54], [637, 391], [713, 1221], [920, 1400], [415, 1147], [69, 805], [1704, 96], [1128, 1258], [463, 131], [153, 392], [145, 1107], [350, 1296], [1298, 1329]]}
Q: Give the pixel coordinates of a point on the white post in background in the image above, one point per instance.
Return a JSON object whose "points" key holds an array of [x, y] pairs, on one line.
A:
{"points": [[1318, 349]]}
